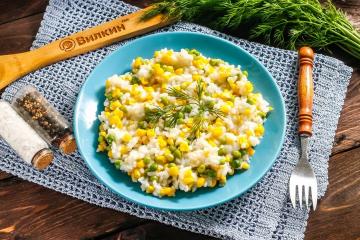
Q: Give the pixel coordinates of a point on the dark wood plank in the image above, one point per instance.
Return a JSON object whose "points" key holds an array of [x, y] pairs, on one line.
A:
{"points": [[17, 36], [154, 231], [16, 9], [4, 175], [351, 7], [348, 130], [337, 216], [29, 211]]}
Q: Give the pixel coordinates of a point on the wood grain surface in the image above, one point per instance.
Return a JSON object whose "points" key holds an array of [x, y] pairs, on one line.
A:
{"points": [[29, 211]]}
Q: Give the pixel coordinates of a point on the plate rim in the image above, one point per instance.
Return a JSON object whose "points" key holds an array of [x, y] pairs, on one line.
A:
{"points": [[141, 38]]}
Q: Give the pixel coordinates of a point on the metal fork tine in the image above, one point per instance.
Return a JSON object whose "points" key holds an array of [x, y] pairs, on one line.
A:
{"points": [[300, 191], [314, 196], [306, 193], [292, 190]]}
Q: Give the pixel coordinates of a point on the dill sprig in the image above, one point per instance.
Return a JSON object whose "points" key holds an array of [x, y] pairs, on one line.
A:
{"points": [[171, 113], [283, 23]]}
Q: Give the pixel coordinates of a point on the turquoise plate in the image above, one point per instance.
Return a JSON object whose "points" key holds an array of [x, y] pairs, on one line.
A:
{"points": [[90, 104]]}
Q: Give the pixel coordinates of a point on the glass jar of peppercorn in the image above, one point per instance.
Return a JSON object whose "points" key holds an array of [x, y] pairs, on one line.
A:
{"points": [[44, 118]]}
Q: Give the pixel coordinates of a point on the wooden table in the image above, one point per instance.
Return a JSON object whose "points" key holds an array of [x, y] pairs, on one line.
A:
{"points": [[29, 211]]}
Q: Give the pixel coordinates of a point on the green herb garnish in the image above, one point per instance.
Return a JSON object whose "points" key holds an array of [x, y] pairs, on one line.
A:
{"points": [[173, 114], [283, 23]]}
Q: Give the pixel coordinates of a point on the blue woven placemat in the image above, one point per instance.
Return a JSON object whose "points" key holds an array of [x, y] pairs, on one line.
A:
{"points": [[264, 212]]}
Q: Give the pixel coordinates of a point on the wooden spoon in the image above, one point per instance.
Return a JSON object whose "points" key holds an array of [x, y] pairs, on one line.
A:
{"points": [[14, 66]]}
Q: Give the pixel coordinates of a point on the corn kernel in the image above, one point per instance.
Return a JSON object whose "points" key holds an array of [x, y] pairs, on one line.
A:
{"points": [[184, 147], [223, 179], [245, 165], [160, 159], [230, 103], [135, 175], [174, 171], [247, 111], [251, 151], [259, 130], [200, 182], [114, 120], [115, 104], [161, 141], [242, 140], [167, 191], [107, 83], [126, 137], [150, 133], [179, 71], [229, 140], [124, 150], [118, 112], [140, 132], [225, 108], [216, 132], [248, 87], [150, 189], [212, 143], [110, 155], [188, 173], [188, 180], [170, 141], [103, 133], [196, 77], [137, 62], [140, 164], [101, 147]]}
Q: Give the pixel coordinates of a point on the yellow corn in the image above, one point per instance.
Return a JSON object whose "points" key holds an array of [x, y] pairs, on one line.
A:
{"points": [[162, 142], [140, 132], [200, 182], [160, 159], [188, 180], [110, 155], [245, 165], [225, 108], [150, 189], [150, 133], [251, 151], [140, 164], [124, 150], [135, 175], [179, 71], [216, 132], [184, 147], [174, 171], [126, 137], [167, 191], [115, 104], [259, 130], [170, 141]]}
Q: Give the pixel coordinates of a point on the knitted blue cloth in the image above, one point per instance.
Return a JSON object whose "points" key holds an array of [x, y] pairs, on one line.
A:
{"points": [[264, 212]]}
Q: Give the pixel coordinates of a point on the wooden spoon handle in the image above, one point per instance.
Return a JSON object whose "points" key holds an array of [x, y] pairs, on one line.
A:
{"points": [[305, 90], [17, 65]]}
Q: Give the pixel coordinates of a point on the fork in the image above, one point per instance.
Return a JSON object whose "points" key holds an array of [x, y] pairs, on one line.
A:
{"points": [[303, 179]]}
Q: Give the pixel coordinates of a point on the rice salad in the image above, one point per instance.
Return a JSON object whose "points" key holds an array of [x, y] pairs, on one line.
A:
{"points": [[181, 121]]}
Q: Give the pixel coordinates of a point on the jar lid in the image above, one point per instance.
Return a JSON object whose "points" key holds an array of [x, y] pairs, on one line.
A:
{"points": [[42, 159], [68, 144]]}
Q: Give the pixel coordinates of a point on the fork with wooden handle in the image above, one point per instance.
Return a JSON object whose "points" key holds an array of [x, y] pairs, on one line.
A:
{"points": [[15, 66], [303, 179]]}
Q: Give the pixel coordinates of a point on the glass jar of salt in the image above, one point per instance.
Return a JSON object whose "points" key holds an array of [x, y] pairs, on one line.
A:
{"points": [[44, 118], [23, 139]]}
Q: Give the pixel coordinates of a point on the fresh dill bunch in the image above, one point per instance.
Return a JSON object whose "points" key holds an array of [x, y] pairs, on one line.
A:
{"points": [[283, 23]]}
